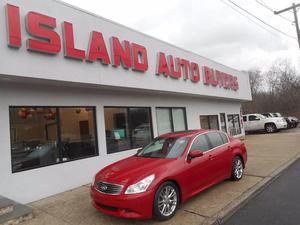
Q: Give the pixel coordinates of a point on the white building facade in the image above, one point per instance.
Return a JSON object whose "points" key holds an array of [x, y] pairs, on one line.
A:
{"points": [[78, 92]]}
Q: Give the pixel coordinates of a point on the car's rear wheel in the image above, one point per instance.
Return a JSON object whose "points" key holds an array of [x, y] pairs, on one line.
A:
{"points": [[270, 128], [166, 201], [237, 169]]}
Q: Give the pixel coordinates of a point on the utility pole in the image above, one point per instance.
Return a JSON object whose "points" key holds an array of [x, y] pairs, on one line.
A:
{"points": [[294, 8]]}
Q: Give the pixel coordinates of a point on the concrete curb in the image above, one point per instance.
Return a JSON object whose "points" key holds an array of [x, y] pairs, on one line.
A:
{"points": [[239, 202]]}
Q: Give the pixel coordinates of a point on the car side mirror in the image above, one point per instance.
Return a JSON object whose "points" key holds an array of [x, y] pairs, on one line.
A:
{"points": [[195, 154]]}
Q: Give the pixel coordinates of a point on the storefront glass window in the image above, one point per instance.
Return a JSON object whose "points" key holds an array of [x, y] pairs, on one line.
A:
{"points": [[140, 126], [127, 128], [164, 121], [170, 119], [77, 132], [178, 119], [234, 124], [209, 122], [223, 122], [42, 136]]}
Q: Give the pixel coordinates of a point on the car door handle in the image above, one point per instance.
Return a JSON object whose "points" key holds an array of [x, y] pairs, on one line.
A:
{"points": [[229, 147], [211, 157]]}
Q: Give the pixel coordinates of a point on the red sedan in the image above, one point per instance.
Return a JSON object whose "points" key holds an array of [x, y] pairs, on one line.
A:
{"points": [[165, 173]]}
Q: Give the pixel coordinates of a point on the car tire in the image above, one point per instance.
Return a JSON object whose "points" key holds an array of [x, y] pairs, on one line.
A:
{"points": [[165, 207], [237, 169], [270, 128]]}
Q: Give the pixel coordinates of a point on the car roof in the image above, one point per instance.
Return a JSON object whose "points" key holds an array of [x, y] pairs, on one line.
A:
{"points": [[184, 133]]}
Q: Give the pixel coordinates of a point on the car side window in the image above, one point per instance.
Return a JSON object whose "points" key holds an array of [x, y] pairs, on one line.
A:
{"points": [[200, 143], [253, 118], [215, 139], [245, 118], [224, 138]]}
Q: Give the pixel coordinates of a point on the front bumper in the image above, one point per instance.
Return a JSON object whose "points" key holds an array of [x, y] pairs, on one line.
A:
{"points": [[134, 206], [281, 125]]}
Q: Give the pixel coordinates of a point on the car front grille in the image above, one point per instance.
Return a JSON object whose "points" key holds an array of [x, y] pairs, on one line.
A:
{"points": [[108, 188]]}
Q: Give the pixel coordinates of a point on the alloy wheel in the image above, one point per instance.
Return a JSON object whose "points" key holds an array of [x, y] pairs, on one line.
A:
{"points": [[167, 200], [270, 128], [238, 170]]}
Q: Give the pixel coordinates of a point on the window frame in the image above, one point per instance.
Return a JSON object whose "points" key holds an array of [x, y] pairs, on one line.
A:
{"points": [[210, 141], [225, 121], [205, 133], [171, 116], [239, 122], [207, 140], [94, 108], [256, 118], [209, 120], [129, 135]]}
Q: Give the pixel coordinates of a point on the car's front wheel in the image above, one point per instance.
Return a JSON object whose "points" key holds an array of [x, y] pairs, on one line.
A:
{"points": [[270, 128], [166, 201], [237, 169]]}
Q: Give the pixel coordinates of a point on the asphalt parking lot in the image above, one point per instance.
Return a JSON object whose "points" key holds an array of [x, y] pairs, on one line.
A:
{"points": [[278, 204], [267, 154]]}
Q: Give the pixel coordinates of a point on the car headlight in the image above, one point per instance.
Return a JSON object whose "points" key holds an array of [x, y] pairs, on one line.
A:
{"points": [[140, 186]]}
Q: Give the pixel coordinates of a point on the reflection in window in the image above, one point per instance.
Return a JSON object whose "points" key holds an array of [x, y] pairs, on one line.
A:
{"points": [[170, 119], [200, 143], [127, 128], [164, 121], [234, 124], [77, 132], [209, 122], [35, 139], [178, 115], [165, 147], [215, 139]]}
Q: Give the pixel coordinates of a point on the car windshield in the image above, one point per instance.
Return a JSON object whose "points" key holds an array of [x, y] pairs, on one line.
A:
{"points": [[165, 148]]}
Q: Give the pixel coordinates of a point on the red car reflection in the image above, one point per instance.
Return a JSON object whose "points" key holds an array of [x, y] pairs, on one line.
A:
{"points": [[165, 173]]}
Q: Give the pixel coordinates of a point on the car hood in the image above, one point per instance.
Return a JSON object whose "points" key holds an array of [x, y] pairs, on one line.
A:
{"points": [[132, 169]]}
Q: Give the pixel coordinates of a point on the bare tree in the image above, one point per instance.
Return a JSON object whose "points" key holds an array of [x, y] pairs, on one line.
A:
{"points": [[256, 81], [282, 89]]}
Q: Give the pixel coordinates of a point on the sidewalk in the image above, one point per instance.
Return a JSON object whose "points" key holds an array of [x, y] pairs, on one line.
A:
{"points": [[267, 156]]}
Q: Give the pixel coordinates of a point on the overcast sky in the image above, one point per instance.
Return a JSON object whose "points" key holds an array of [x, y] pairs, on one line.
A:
{"points": [[209, 27]]}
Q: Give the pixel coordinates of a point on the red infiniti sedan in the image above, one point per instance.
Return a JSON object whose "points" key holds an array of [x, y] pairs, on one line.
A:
{"points": [[167, 172]]}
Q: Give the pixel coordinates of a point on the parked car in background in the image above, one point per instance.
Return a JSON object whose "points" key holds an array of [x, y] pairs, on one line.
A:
{"points": [[258, 122], [295, 120], [167, 172], [292, 121], [268, 115], [277, 114]]}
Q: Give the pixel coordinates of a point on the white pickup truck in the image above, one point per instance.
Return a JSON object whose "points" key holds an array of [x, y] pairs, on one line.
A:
{"points": [[256, 122]]}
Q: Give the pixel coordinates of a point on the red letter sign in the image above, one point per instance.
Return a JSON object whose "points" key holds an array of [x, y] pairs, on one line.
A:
{"points": [[120, 53], [162, 65], [97, 48], [186, 64], [41, 26], [175, 74], [140, 58], [195, 73], [70, 50], [13, 26]]}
